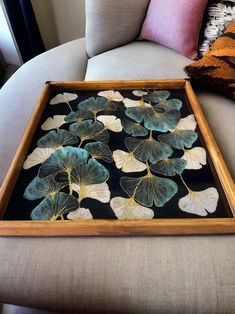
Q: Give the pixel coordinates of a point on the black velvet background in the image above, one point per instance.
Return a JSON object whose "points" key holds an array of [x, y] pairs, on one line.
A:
{"points": [[20, 208]]}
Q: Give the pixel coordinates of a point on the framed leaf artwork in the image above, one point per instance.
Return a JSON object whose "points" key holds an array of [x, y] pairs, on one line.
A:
{"points": [[117, 158]]}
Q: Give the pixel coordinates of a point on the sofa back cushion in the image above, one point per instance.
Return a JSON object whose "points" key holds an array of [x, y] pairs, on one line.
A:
{"points": [[112, 23]]}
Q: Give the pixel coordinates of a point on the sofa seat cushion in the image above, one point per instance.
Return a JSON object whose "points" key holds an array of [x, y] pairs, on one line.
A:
{"points": [[138, 60], [21, 92]]}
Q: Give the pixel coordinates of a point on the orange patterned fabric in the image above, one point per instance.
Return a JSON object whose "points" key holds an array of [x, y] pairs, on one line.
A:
{"points": [[217, 67]]}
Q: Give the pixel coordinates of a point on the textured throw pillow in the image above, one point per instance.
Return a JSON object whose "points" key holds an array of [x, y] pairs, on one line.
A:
{"points": [[217, 67], [174, 24], [218, 15]]}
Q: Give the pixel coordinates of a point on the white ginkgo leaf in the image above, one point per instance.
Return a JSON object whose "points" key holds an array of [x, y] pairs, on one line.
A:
{"points": [[127, 162], [195, 158], [187, 123], [127, 208], [64, 97], [38, 156], [53, 123], [111, 95], [139, 93], [128, 103], [200, 203], [80, 214], [99, 192], [111, 123]]}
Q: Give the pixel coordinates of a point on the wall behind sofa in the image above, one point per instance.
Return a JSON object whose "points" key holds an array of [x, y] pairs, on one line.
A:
{"points": [[60, 21]]}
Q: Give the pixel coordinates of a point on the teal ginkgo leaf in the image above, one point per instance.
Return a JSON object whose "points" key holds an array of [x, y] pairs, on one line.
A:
{"points": [[63, 160], [157, 95], [78, 116], [169, 166], [168, 105], [56, 139], [154, 119], [149, 190], [54, 207], [148, 149], [99, 150], [90, 130], [96, 105], [133, 128], [179, 138], [42, 187], [128, 208]]}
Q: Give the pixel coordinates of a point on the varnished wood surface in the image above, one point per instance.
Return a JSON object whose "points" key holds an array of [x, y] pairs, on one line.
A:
{"points": [[116, 227]]}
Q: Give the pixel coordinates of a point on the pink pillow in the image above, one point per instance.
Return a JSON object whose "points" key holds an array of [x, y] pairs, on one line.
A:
{"points": [[174, 24]]}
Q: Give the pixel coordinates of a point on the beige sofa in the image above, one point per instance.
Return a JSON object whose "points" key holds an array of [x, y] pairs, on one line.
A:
{"points": [[165, 274]]}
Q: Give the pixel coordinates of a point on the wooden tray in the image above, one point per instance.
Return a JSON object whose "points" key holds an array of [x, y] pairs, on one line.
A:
{"points": [[193, 180]]}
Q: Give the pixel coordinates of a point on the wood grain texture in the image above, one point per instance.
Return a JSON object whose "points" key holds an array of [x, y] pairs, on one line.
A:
{"points": [[117, 227]]}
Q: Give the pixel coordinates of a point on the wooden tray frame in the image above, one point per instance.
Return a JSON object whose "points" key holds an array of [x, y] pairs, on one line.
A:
{"points": [[117, 227]]}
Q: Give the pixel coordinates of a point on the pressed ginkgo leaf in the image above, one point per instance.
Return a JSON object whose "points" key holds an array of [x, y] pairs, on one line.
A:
{"points": [[53, 123], [127, 162], [187, 123], [154, 119], [99, 150], [200, 203], [78, 116], [148, 149], [139, 93], [80, 214], [171, 104], [135, 129], [96, 105], [63, 98], [157, 96], [128, 103], [63, 160], [99, 192], [195, 158], [149, 190], [89, 173], [179, 139], [41, 187], [111, 95], [111, 123], [54, 207], [89, 129], [127, 208], [169, 166], [56, 139], [37, 157]]}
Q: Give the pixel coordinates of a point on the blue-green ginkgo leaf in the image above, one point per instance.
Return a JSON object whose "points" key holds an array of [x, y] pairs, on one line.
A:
{"points": [[63, 160], [169, 166], [90, 130], [135, 129], [149, 190], [179, 138], [157, 96], [78, 116], [89, 173], [54, 207], [154, 119], [55, 139], [148, 149], [42, 187], [96, 105], [168, 105], [99, 150]]}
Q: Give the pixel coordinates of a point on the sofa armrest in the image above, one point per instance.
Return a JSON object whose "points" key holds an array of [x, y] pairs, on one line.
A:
{"points": [[21, 92]]}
